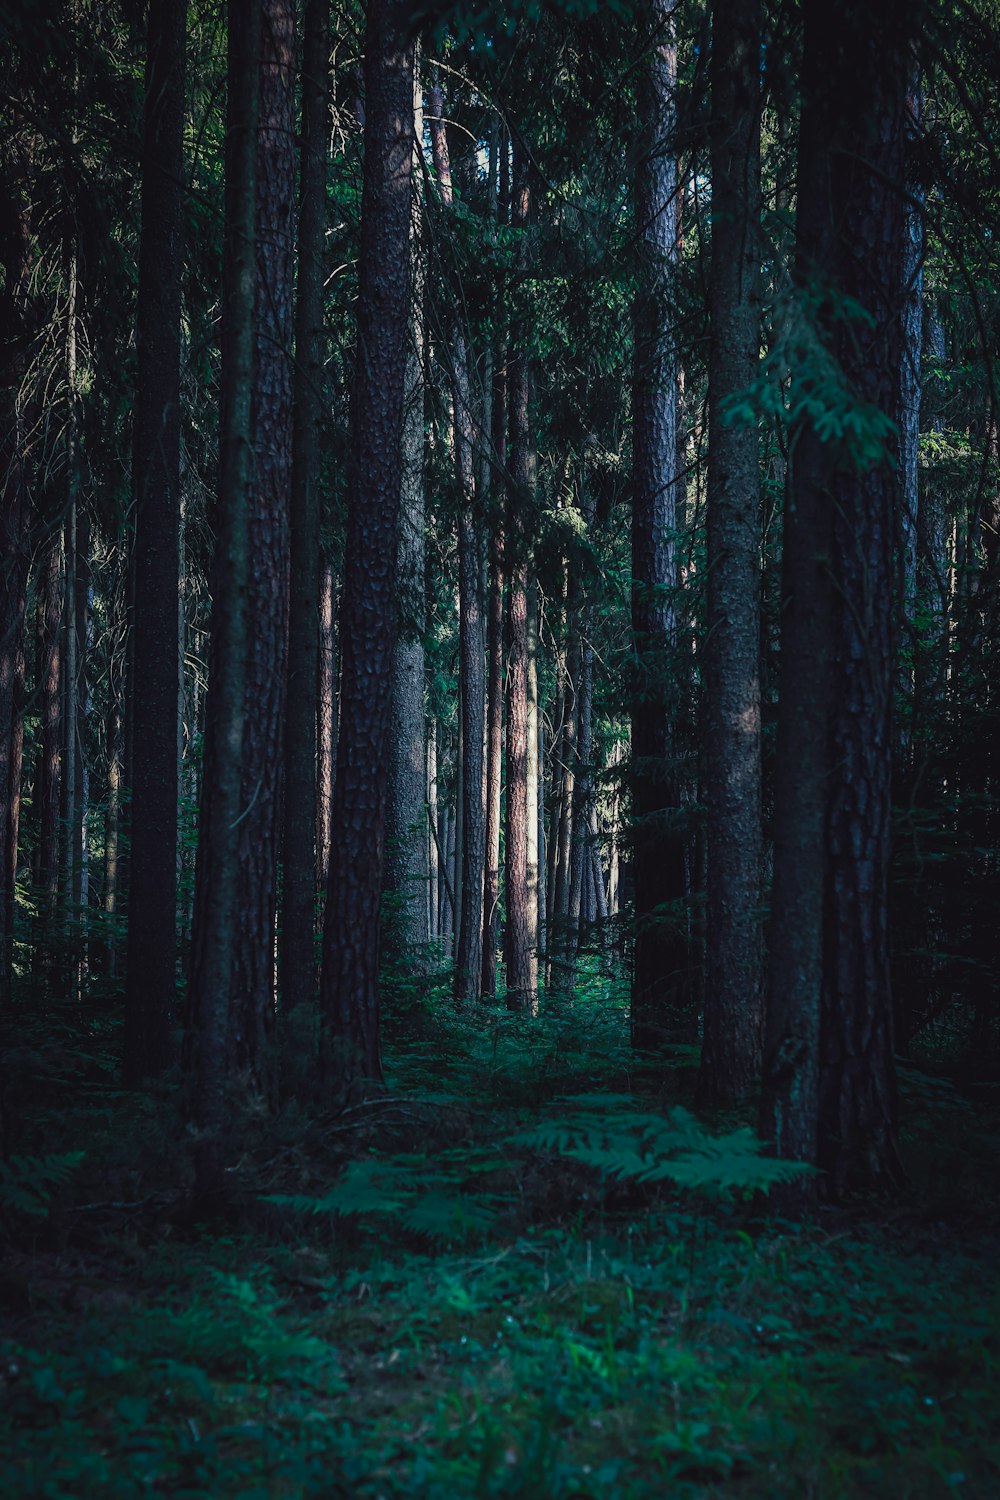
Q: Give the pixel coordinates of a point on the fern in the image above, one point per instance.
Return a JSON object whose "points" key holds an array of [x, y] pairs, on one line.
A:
{"points": [[605, 1133], [27, 1183], [436, 1197]]}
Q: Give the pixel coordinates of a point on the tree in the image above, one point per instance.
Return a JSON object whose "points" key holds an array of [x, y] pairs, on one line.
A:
{"points": [[215, 932], [349, 982], [298, 906], [731, 1052], [268, 579], [661, 956], [828, 1072], [150, 994]]}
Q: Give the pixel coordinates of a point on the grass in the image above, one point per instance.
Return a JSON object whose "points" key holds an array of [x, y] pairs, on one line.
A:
{"points": [[545, 1331]]}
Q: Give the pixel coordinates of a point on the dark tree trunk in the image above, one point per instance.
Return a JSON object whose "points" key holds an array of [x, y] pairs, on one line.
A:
{"points": [[298, 906], [733, 1018], [252, 1012], [15, 257], [49, 766], [518, 955], [661, 956], [215, 931], [829, 1092], [150, 986], [349, 988], [857, 1101]]}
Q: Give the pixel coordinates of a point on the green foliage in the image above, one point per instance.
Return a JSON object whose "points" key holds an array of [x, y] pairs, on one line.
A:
{"points": [[608, 1133], [28, 1183]]}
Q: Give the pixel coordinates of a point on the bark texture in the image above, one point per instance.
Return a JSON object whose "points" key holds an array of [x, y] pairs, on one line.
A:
{"points": [[733, 1008], [252, 1013], [661, 956], [298, 907], [214, 935], [349, 986], [150, 988]]}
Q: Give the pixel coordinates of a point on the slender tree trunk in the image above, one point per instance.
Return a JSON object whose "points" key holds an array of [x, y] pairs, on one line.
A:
{"points": [[535, 797], [215, 931], [472, 677], [252, 1014], [150, 993], [522, 980], [433, 853], [15, 256], [326, 695], [298, 905], [733, 1003], [661, 957], [48, 770], [349, 987], [494, 717], [406, 862]]}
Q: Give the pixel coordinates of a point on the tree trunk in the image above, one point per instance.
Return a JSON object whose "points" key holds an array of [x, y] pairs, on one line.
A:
{"points": [[349, 986], [326, 696], [215, 931], [406, 847], [298, 903], [252, 1013], [519, 957], [150, 985], [661, 957], [48, 770], [472, 677], [494, 716], [857, 1089], [733, 1002], [15, 256]]}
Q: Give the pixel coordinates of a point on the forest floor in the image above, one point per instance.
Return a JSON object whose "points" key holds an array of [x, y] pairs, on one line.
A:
{"points": [[441, 1295]]}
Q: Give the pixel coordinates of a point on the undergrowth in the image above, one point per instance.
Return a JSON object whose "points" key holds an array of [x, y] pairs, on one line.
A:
{"points": [[526, 1270]]}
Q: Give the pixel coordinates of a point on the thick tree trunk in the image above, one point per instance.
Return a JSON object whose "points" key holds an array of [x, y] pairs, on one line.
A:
{"points": [[661, 955], [252, 1012], [349, 987], [828, 1076], [406, 846], [298, 903], [857, 1098], [733, 1002], [215, 931], [150, 985]]}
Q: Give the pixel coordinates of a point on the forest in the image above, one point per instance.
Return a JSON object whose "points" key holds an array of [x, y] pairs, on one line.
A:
{"points": [[499, 749]]}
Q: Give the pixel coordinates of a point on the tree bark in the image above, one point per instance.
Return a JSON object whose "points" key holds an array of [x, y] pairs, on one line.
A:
{"points": [[349, 985], [519, 958], [298, 905], [215, 931], [472, 675], [252, 1014], [150, 985], [661, 956], [494, 716], [733, 1003], [406, 848], [326, 714]]}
